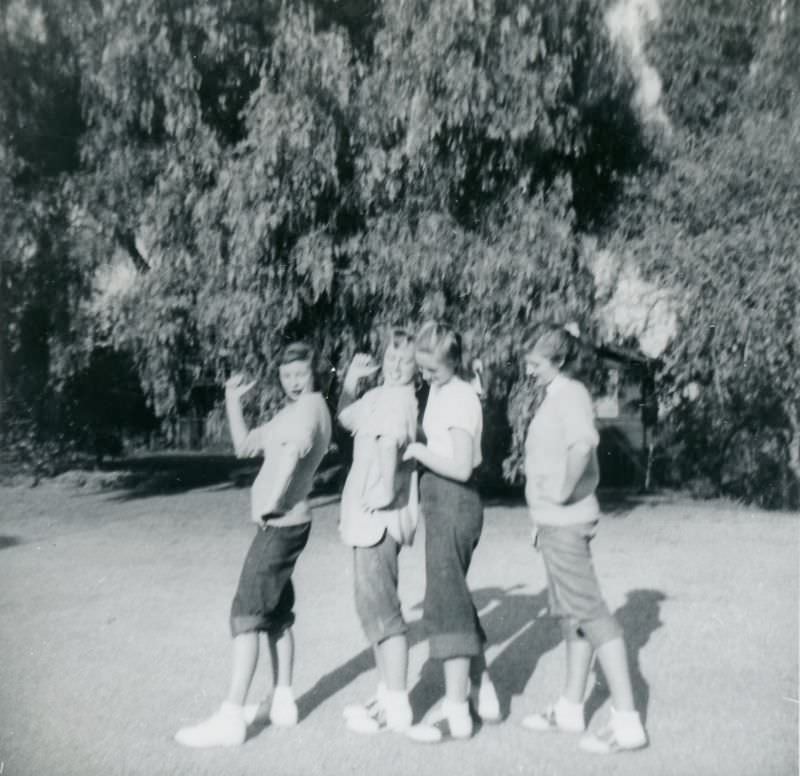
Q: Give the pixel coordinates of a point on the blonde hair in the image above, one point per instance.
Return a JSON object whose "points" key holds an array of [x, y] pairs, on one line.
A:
{"points": [[442, 342]]}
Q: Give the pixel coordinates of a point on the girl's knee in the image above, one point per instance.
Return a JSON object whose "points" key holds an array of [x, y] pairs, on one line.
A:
{"points": [[601, 630]]}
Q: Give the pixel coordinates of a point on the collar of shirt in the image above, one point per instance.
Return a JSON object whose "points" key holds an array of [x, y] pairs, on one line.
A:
{"points": [[556, 384]]}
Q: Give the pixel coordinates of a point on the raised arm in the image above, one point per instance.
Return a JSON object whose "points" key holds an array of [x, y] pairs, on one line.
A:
{"points": [[360, 367], [235, 388]]}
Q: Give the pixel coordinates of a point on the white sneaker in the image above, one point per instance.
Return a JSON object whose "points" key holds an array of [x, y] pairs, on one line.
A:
{"points": [[367, 724], [399, 715], [283, 711], [393, 714], [623, 732], [458, 718], [562, 716], [486, 702], [226, 727], [256, 712], [425, 733], [368, 708], [451, 718]]}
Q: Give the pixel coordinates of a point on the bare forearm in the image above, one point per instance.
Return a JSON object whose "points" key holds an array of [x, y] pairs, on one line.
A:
{"points": [[281, 476], [444, 467], [578, 457], [347, 396], [236, 422]]}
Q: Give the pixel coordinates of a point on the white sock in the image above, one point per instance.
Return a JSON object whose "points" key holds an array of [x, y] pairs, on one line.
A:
{"points": [[569, 713], [229, 708], [395, 698], [568, 707], [398, 709], [627, 724], [283, 694], [455, 708]]}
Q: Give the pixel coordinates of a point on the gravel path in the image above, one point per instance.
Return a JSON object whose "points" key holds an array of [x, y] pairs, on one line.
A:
{"points": [[113, 634]]}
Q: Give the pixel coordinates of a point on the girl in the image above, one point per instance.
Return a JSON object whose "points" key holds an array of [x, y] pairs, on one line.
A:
{"points": [[293, 443], [453, 424], [561, 477], [378, 517]]}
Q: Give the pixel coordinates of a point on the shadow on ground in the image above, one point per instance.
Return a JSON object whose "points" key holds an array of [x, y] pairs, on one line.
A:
{"points": [[518, 622], [639, 617], [173, 473]]}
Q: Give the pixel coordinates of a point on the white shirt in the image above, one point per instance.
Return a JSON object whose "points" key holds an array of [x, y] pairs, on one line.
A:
{"points": [[305, 423], [453, 405], [564, 418], [390, 412]]}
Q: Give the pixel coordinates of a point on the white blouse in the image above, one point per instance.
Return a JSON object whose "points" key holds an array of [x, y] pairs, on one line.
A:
{"points": [[453, 405]]}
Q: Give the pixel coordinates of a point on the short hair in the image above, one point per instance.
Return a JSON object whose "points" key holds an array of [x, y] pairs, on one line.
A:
{"points": [[296, 351], [441, 341], [322, 371]]}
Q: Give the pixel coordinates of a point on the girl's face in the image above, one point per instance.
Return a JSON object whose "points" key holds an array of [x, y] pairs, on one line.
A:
{"points": [[539, 366], [433, 370], [399, 365], [296, 379]]}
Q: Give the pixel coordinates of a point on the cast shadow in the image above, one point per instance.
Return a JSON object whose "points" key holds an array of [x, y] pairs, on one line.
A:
{"points": [[520, 623], [513, 619], [639, 617], [510, 617], [170, 474], [334, 681], [9, 541]]}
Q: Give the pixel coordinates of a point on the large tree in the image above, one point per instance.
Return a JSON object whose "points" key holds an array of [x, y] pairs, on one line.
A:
{"points": [[717, 227], [284, 169]]}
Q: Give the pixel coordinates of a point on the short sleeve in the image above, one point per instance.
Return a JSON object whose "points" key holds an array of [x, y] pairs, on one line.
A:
{"points": [[350, 416], [387, 413], [461, 410], [577, 416], [296, 427]]}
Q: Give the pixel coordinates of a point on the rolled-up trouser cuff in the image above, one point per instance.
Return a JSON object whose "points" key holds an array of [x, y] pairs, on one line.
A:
{"points": [[380, 631], [264, 599], [254, 623], [444, 646], [375, 582]]}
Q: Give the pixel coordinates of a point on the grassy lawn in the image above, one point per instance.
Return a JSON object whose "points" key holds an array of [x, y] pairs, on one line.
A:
{"points": [[114, 633]]}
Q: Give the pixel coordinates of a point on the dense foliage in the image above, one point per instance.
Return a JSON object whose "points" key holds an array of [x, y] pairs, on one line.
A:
{"points": [[718, 226], [189, 184]]}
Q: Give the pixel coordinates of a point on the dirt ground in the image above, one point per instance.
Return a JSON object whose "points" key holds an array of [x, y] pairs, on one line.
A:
{"points": [[113, 634]]}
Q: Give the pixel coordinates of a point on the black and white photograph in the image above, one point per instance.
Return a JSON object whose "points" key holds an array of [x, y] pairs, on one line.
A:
{"points": [[399, 387]]}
